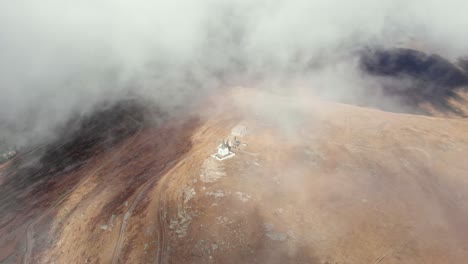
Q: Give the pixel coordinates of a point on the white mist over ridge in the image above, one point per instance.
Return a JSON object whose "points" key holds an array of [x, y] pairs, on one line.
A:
{"points": [[62, 57]]}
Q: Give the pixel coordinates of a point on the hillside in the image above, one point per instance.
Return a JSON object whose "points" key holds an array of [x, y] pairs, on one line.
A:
{"points": [[315, 182]]}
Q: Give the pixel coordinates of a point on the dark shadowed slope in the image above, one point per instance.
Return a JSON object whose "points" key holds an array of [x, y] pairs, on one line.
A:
{"points": [[416, 77], [37, 178]]}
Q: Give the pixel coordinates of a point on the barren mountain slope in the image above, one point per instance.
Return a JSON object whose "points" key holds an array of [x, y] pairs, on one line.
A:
{"points": [[315, 182]]}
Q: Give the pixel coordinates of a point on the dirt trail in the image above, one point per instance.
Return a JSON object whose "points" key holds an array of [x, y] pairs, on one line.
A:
{"points": [[161, 253], [139, 195], [325, 188], [160, 205], [30, 230]]}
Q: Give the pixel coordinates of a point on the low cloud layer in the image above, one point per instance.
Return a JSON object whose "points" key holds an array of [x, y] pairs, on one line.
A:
{"points": [[59, 58]]}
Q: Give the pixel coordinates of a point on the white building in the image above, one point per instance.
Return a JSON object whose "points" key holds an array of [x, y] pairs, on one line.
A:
{"points": [[224, 152], [223, 149]]}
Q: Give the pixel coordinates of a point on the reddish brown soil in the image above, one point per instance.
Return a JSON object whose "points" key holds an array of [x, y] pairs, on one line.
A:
{"points": [[318, 182]]}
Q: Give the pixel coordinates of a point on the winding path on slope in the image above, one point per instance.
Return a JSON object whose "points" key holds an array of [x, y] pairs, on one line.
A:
{"points": [[142, 190], [30, 229], [160, 204]]}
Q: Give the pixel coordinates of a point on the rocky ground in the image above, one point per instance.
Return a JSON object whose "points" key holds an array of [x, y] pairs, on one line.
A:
{"points": [[315, 182]]}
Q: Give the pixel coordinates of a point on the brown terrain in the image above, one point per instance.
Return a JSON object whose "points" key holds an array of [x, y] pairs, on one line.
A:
{"points": [[315, 182]]}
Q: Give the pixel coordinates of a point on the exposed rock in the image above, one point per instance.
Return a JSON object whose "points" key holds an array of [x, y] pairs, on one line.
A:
{"points": [[188, 194], [217, 194], [214, 246], [212, 170], [277, 236], [244, 197], [181, 223]]}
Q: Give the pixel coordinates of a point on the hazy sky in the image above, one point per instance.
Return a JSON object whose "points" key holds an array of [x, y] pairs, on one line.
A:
{"points": [[58, 57]]}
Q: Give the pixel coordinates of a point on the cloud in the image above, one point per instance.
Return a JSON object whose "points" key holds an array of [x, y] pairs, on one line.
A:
{"points": [[59, 58]]}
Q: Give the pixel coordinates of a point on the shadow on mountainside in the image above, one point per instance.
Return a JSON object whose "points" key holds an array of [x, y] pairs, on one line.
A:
{"points": [[414, 77]]}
